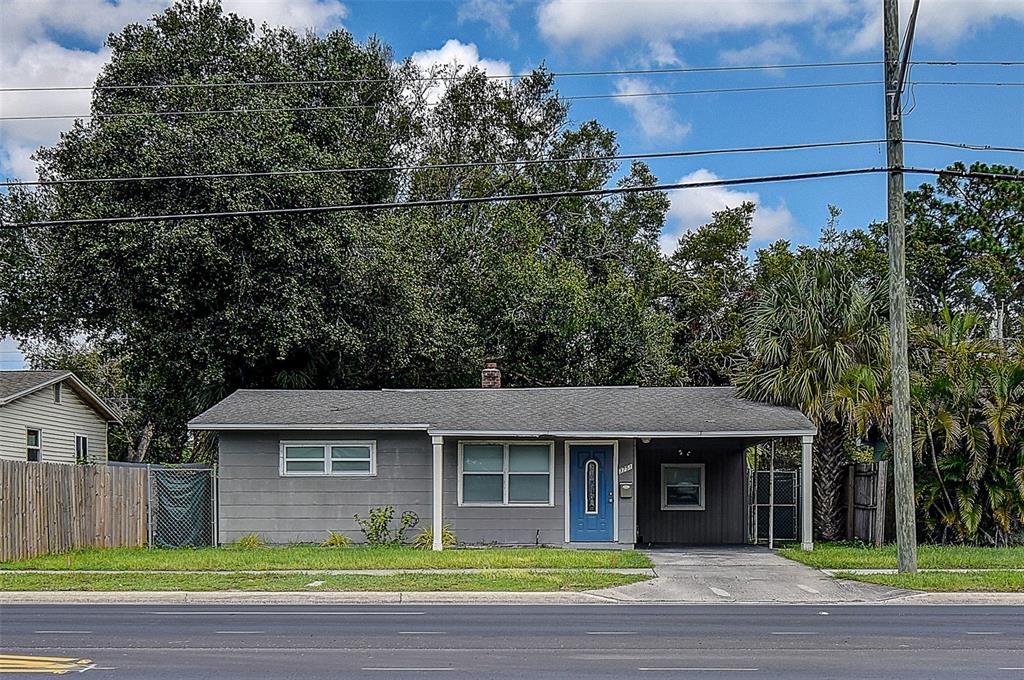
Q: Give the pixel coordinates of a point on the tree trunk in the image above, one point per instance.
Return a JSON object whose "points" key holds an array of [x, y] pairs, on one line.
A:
{"points": [[829, 463]]}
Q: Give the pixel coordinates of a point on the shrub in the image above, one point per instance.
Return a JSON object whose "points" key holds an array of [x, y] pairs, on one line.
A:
{"points": [[336, 540], [377, 527], [425, 539], [253, 540]]}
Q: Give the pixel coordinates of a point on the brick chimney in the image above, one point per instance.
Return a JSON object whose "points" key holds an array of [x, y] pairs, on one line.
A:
{"points": [[490, 377]]}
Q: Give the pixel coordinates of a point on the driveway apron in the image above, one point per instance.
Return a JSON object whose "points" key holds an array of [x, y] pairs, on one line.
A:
{"points": [[742, 574]]}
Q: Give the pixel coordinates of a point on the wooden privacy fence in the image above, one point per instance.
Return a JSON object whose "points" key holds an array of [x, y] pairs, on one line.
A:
{"points": [[50, 507], [867, 503]]}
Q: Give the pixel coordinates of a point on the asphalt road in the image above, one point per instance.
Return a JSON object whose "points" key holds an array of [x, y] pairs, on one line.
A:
{"points": [[145, 642]]}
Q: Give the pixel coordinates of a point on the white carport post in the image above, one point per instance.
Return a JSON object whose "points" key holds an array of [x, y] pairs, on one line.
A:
{"points": [[806, 494], [435, 515]]}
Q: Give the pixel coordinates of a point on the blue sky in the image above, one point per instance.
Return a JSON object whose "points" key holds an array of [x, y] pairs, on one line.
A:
{"points": [[54, 42]]}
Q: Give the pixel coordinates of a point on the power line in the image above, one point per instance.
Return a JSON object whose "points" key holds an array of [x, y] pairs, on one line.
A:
{"points": [[491, 76], [464, 165], [612, 95], [519, 162], [471, 200]]}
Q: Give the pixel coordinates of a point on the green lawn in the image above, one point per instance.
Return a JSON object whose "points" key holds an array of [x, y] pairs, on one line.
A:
{"points": [[837, 556], [501, 581], [308, 557], [986, 581]]}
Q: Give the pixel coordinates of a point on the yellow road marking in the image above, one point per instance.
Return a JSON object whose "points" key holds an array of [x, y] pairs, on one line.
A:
{"points": [[54, 665]]}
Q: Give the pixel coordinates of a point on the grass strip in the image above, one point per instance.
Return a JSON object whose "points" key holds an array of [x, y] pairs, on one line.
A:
{"points": [[506, 581], [837, 556], [945, 582], [312, 557]]}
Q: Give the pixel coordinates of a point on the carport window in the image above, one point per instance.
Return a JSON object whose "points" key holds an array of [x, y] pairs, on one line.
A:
{"points": [[334, 459], [682, 486], [505, 473]]}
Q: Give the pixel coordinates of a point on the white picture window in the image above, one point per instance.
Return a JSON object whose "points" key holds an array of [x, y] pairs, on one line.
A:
{"points": [[34, 446], [81, 448], [506, 473], [682, 486], [332, 459]]}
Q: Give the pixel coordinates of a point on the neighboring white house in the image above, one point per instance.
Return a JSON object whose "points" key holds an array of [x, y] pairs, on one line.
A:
{"points": [[53, 417]]}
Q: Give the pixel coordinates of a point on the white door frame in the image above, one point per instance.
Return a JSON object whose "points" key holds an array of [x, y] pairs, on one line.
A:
{"points": [[614, 443]]}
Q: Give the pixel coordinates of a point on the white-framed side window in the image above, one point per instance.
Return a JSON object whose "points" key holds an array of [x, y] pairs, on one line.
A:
{"points": [[81, 448], [33, 445], [682, 486], [328, 459], [506, 473], [57, 393]]}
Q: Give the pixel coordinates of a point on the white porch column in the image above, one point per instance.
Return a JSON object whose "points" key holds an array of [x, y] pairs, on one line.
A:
{"points": [[806, 494], [438, 522]]}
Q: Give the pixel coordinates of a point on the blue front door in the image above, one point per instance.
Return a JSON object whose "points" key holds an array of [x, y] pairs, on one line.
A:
{"points": [[591, 492]]}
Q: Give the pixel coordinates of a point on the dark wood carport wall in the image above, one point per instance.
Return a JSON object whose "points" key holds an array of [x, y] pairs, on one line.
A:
{"points": [[724, 518]]}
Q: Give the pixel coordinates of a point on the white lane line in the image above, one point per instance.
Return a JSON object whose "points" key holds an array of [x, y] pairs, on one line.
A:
{"points": [[696, 669], [808, 589], [1013, 668], [611, 632], [793, 632], [421, 632], [720, 592], [983, 632], [291, 613], [405, 669], [239, 632], [63, 632]]}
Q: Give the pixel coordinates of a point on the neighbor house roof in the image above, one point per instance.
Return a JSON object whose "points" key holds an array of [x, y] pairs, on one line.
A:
{"points": [[17, 384], [556, 411]]}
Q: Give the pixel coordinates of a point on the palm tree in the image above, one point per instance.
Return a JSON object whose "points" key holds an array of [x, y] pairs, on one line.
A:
{"points": [[808, 331]]}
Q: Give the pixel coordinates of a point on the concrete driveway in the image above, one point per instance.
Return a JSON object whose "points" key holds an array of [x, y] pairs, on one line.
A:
{"points": [[742, 574]]}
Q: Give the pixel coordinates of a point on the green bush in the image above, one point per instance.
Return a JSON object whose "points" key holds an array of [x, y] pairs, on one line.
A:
{"points": [[336, 540], [425, 539], [377, 527], [253, 540]]}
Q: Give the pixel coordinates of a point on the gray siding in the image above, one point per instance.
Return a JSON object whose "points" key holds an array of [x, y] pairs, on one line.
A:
{"points": [[57, 423], [253, 497], [723, 521]]}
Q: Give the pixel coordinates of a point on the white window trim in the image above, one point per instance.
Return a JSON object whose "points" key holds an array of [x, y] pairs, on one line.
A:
{"points": [[88, 448], [505, 503], [58, 393], [586, 487], [664, 487], [327, 471], [39, 448]]}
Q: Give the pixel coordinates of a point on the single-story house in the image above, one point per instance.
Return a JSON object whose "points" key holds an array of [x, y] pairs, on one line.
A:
{"points": [[52, 417], [577, 466]]}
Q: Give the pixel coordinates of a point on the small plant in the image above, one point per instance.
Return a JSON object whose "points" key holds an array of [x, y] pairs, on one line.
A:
{"points": [[425, 539], [250, 541], [336, 540], [377, 527]]}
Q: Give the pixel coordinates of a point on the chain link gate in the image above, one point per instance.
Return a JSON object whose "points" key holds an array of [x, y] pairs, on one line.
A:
{"points": [[182, 506], [779, 497]]}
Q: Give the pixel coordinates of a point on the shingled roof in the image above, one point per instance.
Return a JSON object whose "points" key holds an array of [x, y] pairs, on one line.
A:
{"points": [[557, 411]]}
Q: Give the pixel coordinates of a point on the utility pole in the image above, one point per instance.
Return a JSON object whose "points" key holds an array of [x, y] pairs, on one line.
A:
{"points": [[903, 463]]}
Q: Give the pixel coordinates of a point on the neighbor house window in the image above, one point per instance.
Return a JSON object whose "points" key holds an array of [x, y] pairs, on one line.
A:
{"points": [[56, 393], [34, 443], [336, 459], [682, 486], [81, 448], [505, 473]]}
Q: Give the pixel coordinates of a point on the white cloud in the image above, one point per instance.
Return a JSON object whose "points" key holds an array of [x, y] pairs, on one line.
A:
{"points": [[846, 25], [692, 208], [457, 54], [31, 56], [656, 119], [769, 51], [496, 14]]}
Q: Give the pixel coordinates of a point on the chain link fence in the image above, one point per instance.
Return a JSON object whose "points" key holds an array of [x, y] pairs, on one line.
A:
{"points": [[182, 506], [781, 500]]}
